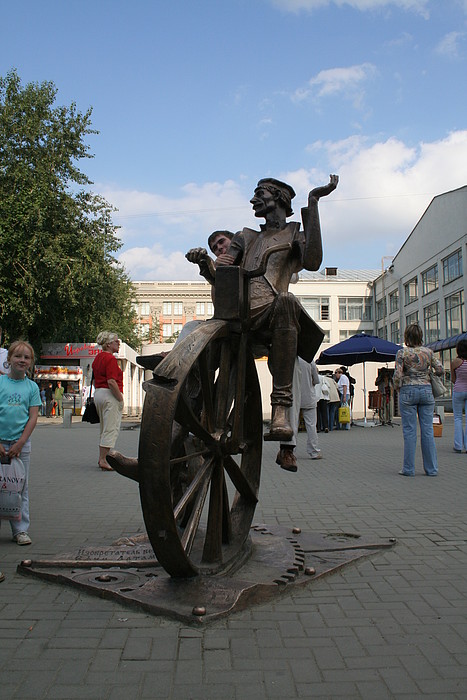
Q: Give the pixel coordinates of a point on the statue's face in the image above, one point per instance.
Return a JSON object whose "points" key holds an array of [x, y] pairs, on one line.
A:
{"points": [[263, 201]]}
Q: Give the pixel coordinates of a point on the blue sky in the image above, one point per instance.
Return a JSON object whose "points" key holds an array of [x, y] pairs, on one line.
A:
{"points": [[197, 100]]}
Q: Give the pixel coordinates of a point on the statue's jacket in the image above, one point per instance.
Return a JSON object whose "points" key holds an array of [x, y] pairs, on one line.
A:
{"points": [[249, 247]]}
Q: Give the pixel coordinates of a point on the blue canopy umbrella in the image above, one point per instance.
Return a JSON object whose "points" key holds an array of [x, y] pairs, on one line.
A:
{"points": [[359, 348]]}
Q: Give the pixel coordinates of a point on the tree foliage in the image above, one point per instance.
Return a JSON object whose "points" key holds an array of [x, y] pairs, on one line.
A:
{"points": [[59, 279]]}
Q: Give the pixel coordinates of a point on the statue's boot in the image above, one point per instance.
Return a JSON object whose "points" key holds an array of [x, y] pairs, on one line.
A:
{"points": [[150, 361], [126, 466], [280, 428]]}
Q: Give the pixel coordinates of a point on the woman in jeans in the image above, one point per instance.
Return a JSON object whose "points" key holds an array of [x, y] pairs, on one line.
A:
{"points": [[414, 366], [459, 394]]}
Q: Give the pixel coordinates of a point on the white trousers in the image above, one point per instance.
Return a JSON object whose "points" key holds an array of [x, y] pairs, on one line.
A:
{"points": [[110, 415]]}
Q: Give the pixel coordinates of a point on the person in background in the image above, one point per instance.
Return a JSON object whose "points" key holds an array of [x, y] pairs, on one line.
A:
{"points": [[322, 397], [385, 387], [412, 378], [334, 400], [459, 395], [44, 402], [4, 366], [49, 400], [19, 408], [108, 396], [343, 387], [58, 396], [310, 379]]}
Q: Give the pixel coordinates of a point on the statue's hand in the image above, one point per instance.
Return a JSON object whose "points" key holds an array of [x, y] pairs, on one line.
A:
{"points": [[197, 255], [319, 192]]}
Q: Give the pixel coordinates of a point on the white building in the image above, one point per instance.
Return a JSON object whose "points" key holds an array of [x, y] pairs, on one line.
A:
{"points": [[426, 282]]}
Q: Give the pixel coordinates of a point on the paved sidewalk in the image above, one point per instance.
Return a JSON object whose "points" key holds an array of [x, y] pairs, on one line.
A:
{"points": [[391, 626]]}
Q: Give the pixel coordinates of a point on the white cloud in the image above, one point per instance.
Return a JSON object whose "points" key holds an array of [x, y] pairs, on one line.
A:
{"points": [[384, 189], [153, 263], [449, 44], [347, 82], [385, 186], [419, 6]]}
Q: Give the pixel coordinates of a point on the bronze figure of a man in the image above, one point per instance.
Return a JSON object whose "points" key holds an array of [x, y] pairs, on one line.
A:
{"points": [[278, 319]]}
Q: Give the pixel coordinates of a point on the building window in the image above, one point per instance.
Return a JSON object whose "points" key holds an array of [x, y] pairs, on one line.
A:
{"points": [[455, 314], [411, 318], [326, 338], [430, 280], [167, 308], [381, 309], [144, 309], [177, 328], [166, 330], [452, 267], [382, 332], [411, 291], [144, 330], [178, 308], [395, 332], [316, 307], [431, 322], [354, 309], [394, 301], [204, 308], [345, 333]]}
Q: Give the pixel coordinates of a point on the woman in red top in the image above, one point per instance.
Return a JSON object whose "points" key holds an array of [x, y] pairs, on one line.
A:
{"points": [[108, 396]]}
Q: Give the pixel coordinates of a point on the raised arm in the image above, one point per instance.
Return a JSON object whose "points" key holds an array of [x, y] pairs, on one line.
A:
{"points": [[313, 254]]}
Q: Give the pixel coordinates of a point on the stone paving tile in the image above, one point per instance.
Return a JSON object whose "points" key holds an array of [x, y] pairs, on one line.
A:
{"points": [[390, 626]]}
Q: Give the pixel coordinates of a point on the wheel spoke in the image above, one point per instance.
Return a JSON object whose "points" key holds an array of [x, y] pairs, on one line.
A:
{"points": [[223, 384], [239, 480], [192, 488], [212, 551], [206, 377], [186, 417], [226, 518], [193, 523]]}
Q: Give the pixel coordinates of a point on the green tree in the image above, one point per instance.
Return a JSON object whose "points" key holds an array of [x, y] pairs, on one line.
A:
{"points": [[59, 279]]}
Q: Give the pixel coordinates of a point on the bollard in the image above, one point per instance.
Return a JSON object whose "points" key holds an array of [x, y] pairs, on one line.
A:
{"points": [[67, 413]]}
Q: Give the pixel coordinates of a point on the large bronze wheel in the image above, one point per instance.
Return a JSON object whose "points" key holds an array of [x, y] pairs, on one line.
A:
{"points": [[200, 452]]}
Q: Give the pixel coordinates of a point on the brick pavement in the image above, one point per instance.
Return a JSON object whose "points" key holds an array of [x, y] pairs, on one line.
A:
{"points": [[391, 626]]}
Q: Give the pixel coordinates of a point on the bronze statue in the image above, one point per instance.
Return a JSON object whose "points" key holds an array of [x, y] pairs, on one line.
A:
{"points": [[202, 418], [279, 321]]}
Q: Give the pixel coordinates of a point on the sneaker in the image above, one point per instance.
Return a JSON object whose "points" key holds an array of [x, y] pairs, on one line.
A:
{"points": [[454, 450], [2, 577], [22, 538], [286, 459], [403, 473], [320, 456]]}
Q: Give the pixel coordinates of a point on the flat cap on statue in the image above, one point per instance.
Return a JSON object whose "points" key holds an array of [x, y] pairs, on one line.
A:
{"points": [[286, 191]]}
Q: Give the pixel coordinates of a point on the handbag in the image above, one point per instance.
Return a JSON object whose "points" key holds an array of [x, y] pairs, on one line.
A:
{"points": [[90, 414], [437, 386], [12, 480], [344, 414]]}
